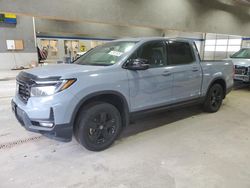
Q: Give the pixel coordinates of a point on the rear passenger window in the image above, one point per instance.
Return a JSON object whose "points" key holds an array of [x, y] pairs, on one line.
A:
{"points": [[180, 53]]}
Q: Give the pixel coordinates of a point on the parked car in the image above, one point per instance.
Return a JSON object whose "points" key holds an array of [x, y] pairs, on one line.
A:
{"points": [[95, 97], [241, 60]]}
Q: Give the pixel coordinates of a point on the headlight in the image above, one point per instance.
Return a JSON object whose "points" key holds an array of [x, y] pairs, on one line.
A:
{"points": [[50, 88]]}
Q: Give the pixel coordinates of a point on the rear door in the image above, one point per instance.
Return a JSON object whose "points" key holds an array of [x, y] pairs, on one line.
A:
{"points": [[187, 72], [152, 87]]}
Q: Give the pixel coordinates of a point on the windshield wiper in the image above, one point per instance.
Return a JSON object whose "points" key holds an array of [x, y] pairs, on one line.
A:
{"points": [[100, 64], [241, 57], [94, 64]]}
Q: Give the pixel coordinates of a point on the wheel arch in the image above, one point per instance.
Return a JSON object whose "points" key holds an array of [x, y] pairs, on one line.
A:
{"points": [[222, 82], [115, 98]]}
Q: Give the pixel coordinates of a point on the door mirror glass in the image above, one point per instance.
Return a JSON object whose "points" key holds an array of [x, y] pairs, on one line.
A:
{"points": [[137, 64]]}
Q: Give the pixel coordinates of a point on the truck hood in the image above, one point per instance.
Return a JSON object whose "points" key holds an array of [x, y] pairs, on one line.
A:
{"points": [[61, 70], [241, 62]]}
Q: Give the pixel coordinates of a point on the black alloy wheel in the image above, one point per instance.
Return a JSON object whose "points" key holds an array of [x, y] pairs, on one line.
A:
{"points": [[214, 98], [101, 127], [99, 124]]}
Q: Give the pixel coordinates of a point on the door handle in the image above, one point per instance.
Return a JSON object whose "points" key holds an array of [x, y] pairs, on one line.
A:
{"points": [[166, 73], [195, 69]]}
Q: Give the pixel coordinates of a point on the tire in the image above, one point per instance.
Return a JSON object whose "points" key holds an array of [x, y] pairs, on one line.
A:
{"points": [[98, 125], [214, 98]]}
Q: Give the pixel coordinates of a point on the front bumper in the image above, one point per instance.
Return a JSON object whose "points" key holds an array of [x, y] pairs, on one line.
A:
{"points": [[244, 78], [62, 132]]}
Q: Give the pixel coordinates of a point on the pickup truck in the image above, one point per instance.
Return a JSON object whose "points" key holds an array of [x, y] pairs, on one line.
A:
{"points": [[241, 60], [95, 97]]}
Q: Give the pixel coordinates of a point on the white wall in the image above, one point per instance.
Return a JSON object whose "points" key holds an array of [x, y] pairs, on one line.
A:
{"points": [[12, 60], [246, 43], [219, 46]]}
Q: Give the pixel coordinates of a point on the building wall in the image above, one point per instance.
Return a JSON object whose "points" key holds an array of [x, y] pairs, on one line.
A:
{"points": [[92, 30], [121, 18], [13, 60], [184, 15], [22, 31]]}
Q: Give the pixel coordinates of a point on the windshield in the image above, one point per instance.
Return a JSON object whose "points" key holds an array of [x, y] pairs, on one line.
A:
{"points": [[243, 53], [105, 55]]}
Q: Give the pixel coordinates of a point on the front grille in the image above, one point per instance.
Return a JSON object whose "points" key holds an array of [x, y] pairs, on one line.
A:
{"points": [[241, 70], [23, 90], [24, 83]]}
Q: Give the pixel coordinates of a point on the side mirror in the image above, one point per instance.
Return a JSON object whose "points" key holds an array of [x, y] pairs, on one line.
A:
{"points": [[137, 64]]}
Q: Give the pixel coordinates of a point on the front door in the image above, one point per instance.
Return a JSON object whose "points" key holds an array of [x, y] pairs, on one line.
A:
{"points": [[152, 87]]}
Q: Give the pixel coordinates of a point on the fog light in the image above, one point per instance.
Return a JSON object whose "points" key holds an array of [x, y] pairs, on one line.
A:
{"points": [[46, 124]]}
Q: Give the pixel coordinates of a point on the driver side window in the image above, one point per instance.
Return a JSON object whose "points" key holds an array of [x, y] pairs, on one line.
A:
{"points": [[153, 52]]}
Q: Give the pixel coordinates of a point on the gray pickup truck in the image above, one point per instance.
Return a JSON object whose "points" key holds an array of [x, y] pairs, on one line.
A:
{"points": [[95, 97], [241, 60]]}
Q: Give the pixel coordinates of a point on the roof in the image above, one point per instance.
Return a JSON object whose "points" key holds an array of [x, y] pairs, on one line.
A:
{"points": [[146, 39]]}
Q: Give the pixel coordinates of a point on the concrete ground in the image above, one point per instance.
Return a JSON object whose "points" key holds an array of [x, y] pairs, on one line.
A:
{"points": [[182, 148]]}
